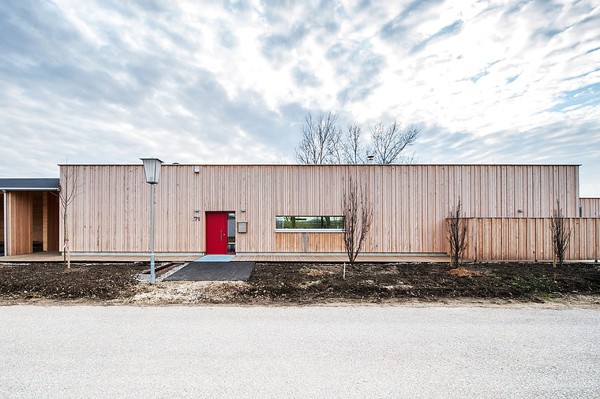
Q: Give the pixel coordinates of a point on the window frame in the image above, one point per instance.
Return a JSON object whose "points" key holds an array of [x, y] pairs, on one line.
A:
{"points": [[309, 230]]}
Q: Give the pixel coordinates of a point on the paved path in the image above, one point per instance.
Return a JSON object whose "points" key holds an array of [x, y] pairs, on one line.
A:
{"points": [[350, 352], [213, 271]]}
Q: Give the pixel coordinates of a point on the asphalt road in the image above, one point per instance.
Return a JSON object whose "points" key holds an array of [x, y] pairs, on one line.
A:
{"points": [[312, 352]]}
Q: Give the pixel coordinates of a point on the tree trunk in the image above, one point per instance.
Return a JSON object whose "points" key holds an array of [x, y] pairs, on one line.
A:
{"points": [[67, 246]]}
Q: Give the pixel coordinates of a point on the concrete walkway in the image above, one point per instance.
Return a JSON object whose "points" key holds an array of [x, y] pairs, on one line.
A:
{"points": [[107, 257], [312, 257], [216, 258], [315, 257], [287, 352]]}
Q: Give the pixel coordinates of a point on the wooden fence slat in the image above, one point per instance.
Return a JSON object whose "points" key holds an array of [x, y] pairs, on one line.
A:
{"points": [[529, 239]]}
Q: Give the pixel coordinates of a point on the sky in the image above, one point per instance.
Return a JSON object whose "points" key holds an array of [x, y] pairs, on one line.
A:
{"points": [[214, 82]]}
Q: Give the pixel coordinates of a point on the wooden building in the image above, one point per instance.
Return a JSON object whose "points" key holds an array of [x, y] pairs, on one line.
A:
{"points": [[29, 211], [287, 209]]}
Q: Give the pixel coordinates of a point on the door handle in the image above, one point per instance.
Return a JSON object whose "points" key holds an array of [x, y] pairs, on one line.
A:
{"points": [[221, 236]]}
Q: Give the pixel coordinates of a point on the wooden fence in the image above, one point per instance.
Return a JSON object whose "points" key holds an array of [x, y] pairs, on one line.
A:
{"points": [[590, 207], [529, 239]]}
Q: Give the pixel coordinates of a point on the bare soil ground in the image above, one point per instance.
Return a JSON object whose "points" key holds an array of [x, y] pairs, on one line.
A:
{"points": [[96, 282], [308, 283], [422, 281]]}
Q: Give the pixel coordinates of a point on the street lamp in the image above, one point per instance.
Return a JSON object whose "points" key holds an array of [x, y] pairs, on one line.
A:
{"points": [[152, 172]]}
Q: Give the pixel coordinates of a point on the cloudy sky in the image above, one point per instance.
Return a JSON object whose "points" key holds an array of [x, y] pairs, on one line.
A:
{"points": [[231, 81]]}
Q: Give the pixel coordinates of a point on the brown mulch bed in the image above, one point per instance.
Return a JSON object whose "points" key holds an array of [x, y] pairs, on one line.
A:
{"points": [[55, 281], [306, 283]]}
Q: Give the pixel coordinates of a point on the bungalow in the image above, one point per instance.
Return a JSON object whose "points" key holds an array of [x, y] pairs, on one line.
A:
{"points": [[292, 209]]}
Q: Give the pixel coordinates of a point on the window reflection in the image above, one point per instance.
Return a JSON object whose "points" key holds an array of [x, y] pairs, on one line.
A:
{"points": [[310, 222]]}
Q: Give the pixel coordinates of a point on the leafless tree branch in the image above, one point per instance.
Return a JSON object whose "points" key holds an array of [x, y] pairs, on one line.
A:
{"points": [[456, 233], [324, 143], [389, 142], [69, 190], [353, 152], [358, 216], [320, 140], [561, 235]]}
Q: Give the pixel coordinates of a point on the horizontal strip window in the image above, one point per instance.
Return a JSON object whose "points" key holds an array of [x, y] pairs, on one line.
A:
{"points": [[322, 223]]}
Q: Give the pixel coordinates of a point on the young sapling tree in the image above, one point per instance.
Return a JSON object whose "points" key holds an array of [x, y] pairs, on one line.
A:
{"points": [[561, 235], [358, 216], [456, 233]]}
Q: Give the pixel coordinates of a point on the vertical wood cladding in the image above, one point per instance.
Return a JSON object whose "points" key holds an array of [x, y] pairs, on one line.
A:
{"points": [[37, 203], [51, 215], [529, 239], [111, 212], [2, 239], [590, 207], [19, 223]]}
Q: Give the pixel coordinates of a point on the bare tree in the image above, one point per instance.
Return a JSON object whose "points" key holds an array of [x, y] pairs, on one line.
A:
{"points": [[68, 192], [389, 142], [324, 143], [456, 232], [352, 149], [561, 235], [358, 216], [320, 140]]}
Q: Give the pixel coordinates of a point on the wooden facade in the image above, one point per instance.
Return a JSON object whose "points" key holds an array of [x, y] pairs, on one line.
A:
{"points": [[590, 207], [37, 204], [111, 211], [529, 239], [2, 221], [50, 222], [31, 217], [19, 223]]}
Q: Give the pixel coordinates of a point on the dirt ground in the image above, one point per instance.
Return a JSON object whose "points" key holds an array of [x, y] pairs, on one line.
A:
{"points": [[96, 282], [423, 281], [307, 283]]}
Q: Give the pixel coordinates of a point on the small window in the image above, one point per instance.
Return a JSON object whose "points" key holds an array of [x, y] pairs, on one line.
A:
{"points": [[335, 223]]}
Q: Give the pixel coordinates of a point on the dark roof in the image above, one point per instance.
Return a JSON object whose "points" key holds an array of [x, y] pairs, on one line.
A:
{"points": [[29, 184]]}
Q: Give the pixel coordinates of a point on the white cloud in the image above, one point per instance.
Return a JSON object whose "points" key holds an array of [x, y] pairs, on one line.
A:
{"points": [[231, 81]]}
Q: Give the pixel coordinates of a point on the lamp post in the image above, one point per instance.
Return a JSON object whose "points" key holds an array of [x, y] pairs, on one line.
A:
{"points": [[152, 173]]}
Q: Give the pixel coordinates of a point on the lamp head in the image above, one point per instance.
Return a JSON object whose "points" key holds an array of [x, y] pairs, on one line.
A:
{"points": [[152, 169]]}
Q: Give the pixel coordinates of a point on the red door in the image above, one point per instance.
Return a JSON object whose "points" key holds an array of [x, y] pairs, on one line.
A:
{"points": [[216, 232]]}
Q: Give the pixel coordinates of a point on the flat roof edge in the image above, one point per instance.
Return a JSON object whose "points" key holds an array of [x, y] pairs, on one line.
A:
{"points": [[29, 189], [330, 165], [29, 184]]}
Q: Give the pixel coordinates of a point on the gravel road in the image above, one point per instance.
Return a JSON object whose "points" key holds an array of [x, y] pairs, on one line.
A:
{"points": [[316, 352]]}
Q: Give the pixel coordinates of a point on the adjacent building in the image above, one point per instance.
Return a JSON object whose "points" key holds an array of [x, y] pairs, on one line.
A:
{"points": [[29, 211]]}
